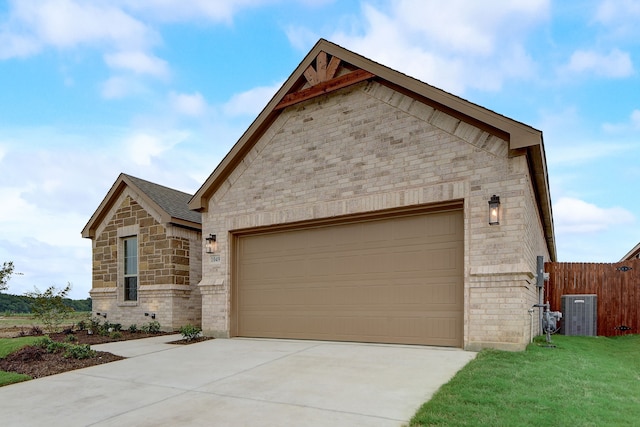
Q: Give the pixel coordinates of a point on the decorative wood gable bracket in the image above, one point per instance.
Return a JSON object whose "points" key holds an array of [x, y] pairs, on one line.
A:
{"points": [[322, 80]]}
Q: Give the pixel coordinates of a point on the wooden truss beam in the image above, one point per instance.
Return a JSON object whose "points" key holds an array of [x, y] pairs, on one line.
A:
{"points": [[325, 87], [323, 71]]}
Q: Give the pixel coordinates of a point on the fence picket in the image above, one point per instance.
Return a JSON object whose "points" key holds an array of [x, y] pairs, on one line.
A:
{"points": [[617, 290]]}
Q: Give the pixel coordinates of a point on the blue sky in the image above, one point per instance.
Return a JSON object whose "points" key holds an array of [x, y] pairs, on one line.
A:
{"points": [[161, 89]]}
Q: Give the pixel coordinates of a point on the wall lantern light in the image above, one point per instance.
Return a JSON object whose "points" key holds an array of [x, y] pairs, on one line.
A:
{"points": [[211, 245], [494, 210]]}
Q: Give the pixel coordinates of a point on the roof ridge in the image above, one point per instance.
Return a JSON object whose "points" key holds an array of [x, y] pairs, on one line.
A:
{"points": [[173, 202], [156, 184]]}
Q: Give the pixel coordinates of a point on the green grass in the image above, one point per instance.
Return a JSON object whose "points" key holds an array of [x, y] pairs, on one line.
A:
{"points": [[8, 346], [28, 319], [584, 381]]}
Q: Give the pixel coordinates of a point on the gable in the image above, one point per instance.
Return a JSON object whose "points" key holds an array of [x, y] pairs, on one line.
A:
{"points": [[166, 205], [632, 254], [312, 78], [329, 68], [126, 199], [362, 140]]}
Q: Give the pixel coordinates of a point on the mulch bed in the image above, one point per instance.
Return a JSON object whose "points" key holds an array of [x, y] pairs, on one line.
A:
{"points": [[82, 337], [37, 363]]}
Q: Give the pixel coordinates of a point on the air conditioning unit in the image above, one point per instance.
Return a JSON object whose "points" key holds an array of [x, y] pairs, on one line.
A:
{"points": [[580, 315]]}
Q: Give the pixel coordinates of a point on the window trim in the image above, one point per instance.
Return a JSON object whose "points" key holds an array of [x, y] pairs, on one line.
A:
{"points": [[125, 258], [123, 233]]}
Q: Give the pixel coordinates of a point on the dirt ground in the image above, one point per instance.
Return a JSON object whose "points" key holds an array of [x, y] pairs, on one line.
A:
{"points": [[37, 363]]}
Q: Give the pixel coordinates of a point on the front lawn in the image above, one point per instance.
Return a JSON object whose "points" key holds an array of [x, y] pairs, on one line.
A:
{"points": [[7, 346], [584, 381]]}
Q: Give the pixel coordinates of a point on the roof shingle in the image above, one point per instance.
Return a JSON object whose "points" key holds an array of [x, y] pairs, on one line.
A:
{"points": [[174, 202]]}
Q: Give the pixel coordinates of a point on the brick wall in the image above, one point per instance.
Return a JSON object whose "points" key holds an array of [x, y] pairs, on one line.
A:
{"points": [[167, 270], [368, 148]]}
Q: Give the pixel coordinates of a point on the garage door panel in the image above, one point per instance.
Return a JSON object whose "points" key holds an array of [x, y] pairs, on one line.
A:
{"points": [[361, 328], [395, 280]]}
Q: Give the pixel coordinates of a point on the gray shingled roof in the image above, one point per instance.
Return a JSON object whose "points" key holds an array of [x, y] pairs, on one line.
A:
{"points": [[174, 202]]}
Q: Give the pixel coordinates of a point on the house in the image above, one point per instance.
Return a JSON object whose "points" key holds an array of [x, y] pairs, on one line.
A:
{"points": [[632, 254], [147, 255], [365, 205]]}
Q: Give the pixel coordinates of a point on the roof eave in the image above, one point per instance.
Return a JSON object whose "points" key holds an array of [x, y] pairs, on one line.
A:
{"points": [[632, 253], [123, 181], [520, 135], [185, 223]]}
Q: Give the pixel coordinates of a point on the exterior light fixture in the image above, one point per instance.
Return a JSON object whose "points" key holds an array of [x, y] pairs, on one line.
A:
{"points": [[211, 245], [494, 210]]}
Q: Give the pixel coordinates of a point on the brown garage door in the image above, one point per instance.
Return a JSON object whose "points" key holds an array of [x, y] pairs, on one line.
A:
{"points": [[391, 280]]}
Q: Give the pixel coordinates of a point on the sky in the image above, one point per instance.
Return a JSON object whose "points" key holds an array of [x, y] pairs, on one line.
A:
{"points": [[162, 89]]}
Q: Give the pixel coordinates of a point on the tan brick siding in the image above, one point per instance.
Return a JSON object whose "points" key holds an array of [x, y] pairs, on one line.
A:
{"points": [[369, 148]]}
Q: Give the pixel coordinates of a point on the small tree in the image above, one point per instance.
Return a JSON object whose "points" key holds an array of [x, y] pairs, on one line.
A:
{"points": [[5, 274], [49, 307]]}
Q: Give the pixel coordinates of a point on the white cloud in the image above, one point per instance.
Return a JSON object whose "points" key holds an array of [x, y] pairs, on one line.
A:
{"points": [[188, 104], [138, 62], [250, 102], [633, 124], [577, 216], [17, 46], [301, 38], [120, 87], [143, 147], [635, 119], [68, 23], [614, 64], [179, 10], [620, 17], [463, 45], [586, 152], [614, 11]]}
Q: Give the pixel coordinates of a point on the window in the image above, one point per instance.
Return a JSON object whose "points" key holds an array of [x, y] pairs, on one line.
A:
{"points": [[130, 268]]}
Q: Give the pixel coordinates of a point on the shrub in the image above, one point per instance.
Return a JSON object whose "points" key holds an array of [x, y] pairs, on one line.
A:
{"points": [[95, 324], [82, 325], [79, 351], [49, 306], [71, 338], [50, 345], [151, 327], [133, 328], [115, 335], [190, 332], [76, 351], [116, 327], [106, 328]]}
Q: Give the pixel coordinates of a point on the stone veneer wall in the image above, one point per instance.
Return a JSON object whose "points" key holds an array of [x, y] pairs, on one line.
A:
{"points": [[368, 148], [169, 265]]}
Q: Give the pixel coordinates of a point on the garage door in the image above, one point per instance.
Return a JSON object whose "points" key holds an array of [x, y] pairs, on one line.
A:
{"points": [[390, 280]]}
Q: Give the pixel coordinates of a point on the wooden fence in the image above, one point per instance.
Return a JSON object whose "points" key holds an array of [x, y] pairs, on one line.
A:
{"points": [[617, 286]]}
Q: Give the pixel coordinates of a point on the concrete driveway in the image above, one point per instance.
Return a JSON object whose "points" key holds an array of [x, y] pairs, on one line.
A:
{"points": [[238, 382]]}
